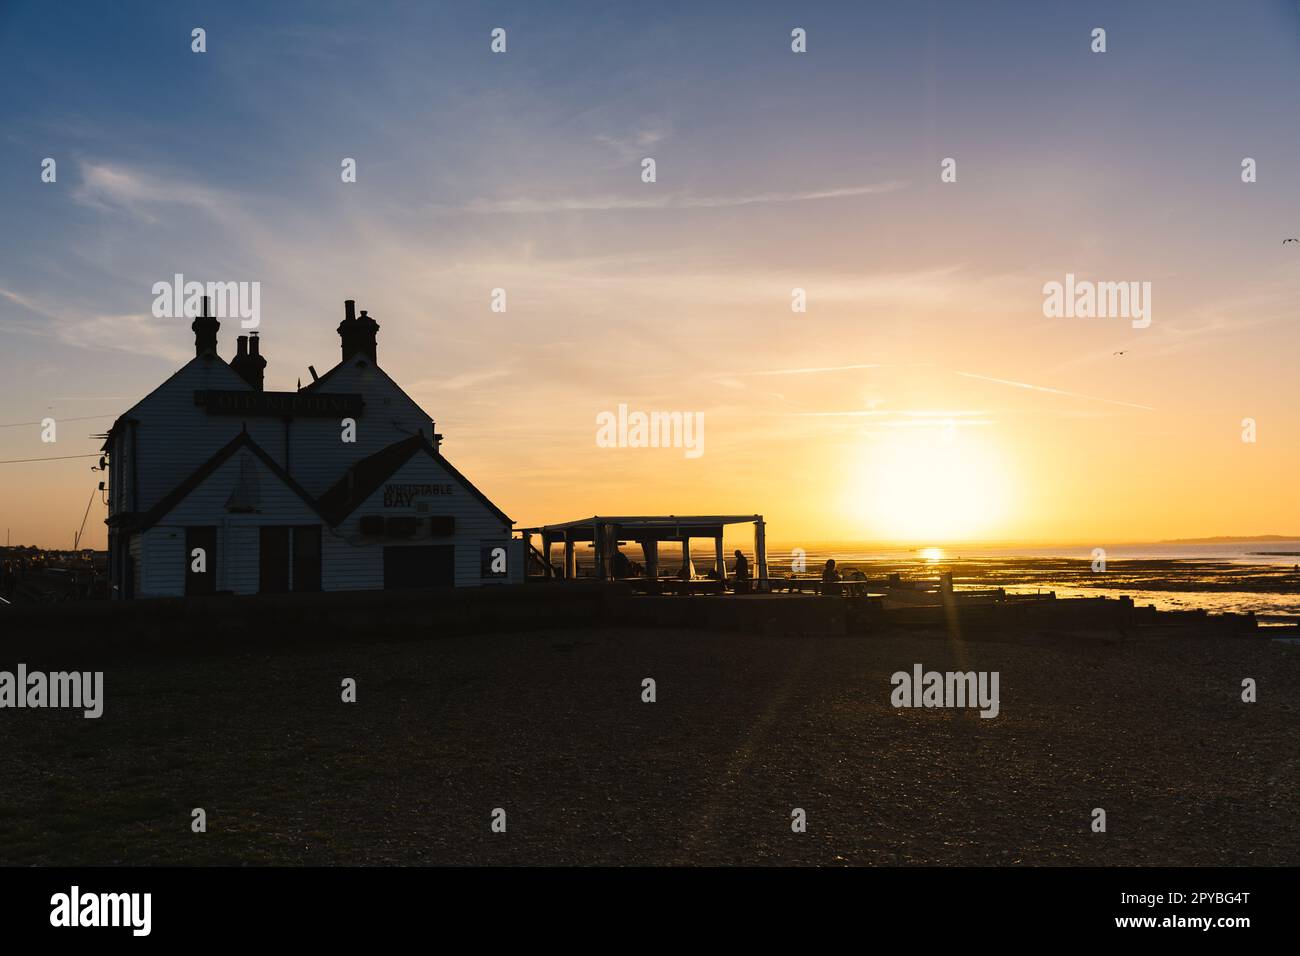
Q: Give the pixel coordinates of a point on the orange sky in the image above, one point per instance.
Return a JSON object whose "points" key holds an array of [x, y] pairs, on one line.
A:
{"points": [[923, 397]]}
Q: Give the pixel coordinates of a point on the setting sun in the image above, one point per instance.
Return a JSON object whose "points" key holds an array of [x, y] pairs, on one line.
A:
{"points": [[930, 484]]}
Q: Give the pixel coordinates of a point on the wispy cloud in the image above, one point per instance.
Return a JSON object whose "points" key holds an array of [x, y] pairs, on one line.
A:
{"points": [[108, 188], [24, 302], [1053, 391], [462, 381], [662, 201], [633, 146], [138, 333], [131, 332]]}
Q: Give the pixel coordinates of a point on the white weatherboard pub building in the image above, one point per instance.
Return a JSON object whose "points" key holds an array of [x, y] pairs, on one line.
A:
{"points": [[265, 486]]}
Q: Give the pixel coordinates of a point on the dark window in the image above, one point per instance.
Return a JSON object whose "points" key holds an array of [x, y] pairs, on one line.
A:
{"points": [[493, 560], [205, 581], [419, 566], [442, 526], [306, 558], [273, 560], [400, 527], [372, 524]]}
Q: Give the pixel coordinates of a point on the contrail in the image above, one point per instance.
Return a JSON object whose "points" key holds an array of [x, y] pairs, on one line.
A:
{"points": [[1054, 391], [833, 368]]}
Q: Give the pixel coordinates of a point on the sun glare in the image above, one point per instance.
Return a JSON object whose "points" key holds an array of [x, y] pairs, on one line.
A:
{"points": [[923, 485]]}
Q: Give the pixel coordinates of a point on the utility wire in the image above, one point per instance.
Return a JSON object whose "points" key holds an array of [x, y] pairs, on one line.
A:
{"points": [[83, 418], [15, 461]]}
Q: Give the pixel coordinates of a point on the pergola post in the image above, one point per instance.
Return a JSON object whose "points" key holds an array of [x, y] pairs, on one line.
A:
{"points": [[687, 572], [721, 562], [546, 553], [597, 544], [570, 559], [760, 551], [611, 550], [650, 548]]}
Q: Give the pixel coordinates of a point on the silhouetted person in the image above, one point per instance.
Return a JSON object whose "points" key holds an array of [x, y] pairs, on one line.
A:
{"points": [[830, 578], [622, 566], [742, 573]]}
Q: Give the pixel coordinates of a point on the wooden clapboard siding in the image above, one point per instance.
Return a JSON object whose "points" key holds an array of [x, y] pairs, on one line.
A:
{"points": [[174, 436], [162, 448], [236, 561], [476, 526], [135, 551], [319, 457]]}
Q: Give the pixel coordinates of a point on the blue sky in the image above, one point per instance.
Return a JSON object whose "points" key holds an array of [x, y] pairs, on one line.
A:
{"points": [[521, 171]]}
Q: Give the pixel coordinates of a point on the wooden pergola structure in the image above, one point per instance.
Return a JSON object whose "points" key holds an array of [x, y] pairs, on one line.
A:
{"points": [[605, 534]]}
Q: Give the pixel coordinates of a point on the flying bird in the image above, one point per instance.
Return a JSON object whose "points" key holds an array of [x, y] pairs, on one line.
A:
{"points": [[1125, 352], [1285, 241]]}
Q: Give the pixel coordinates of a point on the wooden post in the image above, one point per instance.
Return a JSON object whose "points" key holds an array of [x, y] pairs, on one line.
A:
{"points": [[721, 561], [651, 551], [570, 559], [686, 572], [611, 550], [760, 553]]}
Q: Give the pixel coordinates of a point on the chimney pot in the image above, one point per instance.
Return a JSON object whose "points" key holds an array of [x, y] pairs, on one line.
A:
{"points": [[205, 329], [350, 309], [358, 335], [247, 363]]}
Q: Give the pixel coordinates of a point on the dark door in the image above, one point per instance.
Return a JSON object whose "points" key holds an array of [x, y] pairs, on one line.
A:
{"points": [[273, 559], [306, 558], [419, 566], [205, 581]]}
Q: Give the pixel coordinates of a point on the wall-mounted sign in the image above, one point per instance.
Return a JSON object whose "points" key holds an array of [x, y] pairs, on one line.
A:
{"points": [[402, 496], [280, 404]]}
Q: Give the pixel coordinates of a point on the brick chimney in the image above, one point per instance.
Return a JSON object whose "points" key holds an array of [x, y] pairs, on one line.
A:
{"points": [[357, 333], [248, 362], [205, 331]]}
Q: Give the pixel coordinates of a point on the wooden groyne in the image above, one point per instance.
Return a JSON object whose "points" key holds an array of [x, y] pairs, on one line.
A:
{"points": [[95, 630], [858, 611]]}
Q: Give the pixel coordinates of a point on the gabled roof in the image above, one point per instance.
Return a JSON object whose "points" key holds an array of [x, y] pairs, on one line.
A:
{"points": [[364, 360], [182, 490], [207, 357], [365, 476]]}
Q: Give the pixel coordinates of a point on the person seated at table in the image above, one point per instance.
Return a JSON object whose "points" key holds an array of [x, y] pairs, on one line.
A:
{"points": [[622, 565], [830, 578]]}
